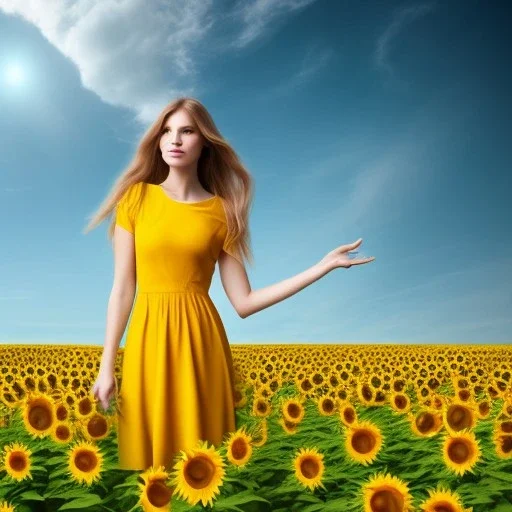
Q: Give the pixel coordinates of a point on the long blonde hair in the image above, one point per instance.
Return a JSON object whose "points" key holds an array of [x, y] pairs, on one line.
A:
{"points": [[219, 171]]}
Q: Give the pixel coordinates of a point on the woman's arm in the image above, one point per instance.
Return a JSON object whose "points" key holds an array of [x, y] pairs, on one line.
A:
{"points": [[121, 297], [246, 301]]}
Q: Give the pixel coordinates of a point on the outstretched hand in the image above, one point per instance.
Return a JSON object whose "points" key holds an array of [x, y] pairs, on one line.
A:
{"points": [[339, 257]]}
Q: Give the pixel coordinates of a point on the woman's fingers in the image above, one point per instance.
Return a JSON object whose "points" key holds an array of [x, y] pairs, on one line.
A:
{"points": [[360, 262]]}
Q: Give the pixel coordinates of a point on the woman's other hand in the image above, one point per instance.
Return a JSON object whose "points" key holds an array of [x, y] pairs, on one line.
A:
{"points": [[105, 388], [341, 257]]}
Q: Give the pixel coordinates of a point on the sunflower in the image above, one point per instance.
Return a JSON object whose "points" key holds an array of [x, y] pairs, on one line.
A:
{"points": [[484, 408], [198, 474], [326, 406], [436, 401], [289, 428], [261, 406], [62, 432], [38, 414], [5, 507], [348, 414], [239, 396], [426, 423], [155, 495], [442, 499], [461, 451], [84, 462], [504, 426], [465, 394], [503, 445], [293, 410], [507, 408], [400, 402], [260, 435], [365, 393], [16, 461], [363, 441], [61, 411], [386, 493], [309, 467], [96, 426], [398, 385], [239, 449], [85, 407], [459, 415]]}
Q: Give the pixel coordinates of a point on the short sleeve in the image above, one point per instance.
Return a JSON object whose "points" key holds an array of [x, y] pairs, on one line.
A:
{"points": [[125, 211], [231, 250]]}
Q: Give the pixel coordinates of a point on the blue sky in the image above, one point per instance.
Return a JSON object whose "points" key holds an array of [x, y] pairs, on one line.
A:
{"points": [[389, 121]]}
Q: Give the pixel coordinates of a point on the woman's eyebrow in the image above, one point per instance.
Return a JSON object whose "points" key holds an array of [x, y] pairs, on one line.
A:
{"points": [[167, 126]]}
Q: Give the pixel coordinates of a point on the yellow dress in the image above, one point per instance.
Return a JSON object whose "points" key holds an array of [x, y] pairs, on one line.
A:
{"points": [[177, 384]]}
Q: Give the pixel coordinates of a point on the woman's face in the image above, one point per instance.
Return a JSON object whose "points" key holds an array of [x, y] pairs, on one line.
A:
{"points": [[180, 132]]}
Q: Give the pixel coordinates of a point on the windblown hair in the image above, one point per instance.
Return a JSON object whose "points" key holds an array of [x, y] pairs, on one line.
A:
{"points": [[219, 170]]}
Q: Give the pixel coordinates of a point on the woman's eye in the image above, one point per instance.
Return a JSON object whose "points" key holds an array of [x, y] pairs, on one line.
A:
{"points": [[186, 130]]}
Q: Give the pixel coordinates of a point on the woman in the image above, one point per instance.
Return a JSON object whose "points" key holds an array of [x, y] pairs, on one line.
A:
{"points": [[181, 206]]}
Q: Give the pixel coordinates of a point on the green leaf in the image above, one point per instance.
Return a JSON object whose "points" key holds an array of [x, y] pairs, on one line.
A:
{"points": [[55, 486], [71, 493], [81, 503], [507, 477], [55, 460], [232, 502], [478, 500], [32, 495], [502, 507]]}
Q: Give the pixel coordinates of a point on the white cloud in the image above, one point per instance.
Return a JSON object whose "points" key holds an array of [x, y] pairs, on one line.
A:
{"points": [[140, 54]]}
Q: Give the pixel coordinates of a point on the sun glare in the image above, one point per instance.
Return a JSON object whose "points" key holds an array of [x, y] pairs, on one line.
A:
{"points": [[15, 74]]}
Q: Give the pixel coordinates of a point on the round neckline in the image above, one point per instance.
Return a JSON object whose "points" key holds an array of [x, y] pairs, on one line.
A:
{"points": [[190, 203]]}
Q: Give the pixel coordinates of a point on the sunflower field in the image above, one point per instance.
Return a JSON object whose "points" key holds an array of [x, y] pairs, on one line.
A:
{"points": [[373, 428]]}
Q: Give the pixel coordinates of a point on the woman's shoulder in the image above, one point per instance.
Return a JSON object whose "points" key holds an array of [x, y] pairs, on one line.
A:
{"points": [[133, 193], [219, 209]]}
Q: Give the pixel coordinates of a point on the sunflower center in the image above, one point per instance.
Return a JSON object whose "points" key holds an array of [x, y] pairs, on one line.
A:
{"points": [[425, 421], [443, 507], [367, 392], [199, 472], [85, 461], [464, 394], [293, 410], [239, 449], [484, 407], [387, 500], [309, 467], [158, 493], [349, 415], [506, 426], [40, 417], [506, 444], [328, 405], [400, 402], [62, 432], [458, 417], [85, 406], [262, 406], [363, 441], [61, 413], [97, 426], [458, 451], [17, 461]]}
